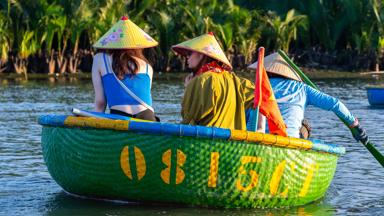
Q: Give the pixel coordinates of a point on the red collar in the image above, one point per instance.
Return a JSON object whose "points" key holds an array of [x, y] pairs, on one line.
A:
{"points": [[211, 67]]}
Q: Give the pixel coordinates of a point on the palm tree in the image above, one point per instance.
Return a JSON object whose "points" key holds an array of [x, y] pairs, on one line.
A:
{"points": [[79, 22], [5, 39], [25, 33], [29, 45], [378, 9], [284, 31], [52, 23], [108, 14], [167, 35]]}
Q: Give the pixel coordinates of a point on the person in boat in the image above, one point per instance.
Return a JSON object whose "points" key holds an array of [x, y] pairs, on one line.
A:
{"points": [[293, 96], [121, 74], [214, 96]]}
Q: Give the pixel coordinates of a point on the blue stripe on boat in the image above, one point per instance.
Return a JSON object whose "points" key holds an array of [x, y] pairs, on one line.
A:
{"points": [[186, 130], [52, 120], [180, 130], [319, 145]]}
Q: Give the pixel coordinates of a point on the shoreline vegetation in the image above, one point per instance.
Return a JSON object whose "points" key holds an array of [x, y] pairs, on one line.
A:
{"points": [[51, 37], [310, 72]]}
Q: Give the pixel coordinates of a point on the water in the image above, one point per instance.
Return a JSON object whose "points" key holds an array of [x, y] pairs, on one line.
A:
{"points": [[26, 187]]}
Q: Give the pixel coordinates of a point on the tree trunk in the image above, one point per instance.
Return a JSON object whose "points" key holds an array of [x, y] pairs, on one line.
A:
{"points": [[51, 63], [63, 66], [377, 61], [3, 66], [61, 60], [21, 66], [74, 60], [73, 63], [167, 66]]}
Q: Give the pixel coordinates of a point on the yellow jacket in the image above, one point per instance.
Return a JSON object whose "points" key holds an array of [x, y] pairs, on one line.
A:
{"points": [[217, 99]]}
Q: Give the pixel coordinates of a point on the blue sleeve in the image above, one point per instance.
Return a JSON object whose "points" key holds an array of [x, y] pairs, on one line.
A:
{"points": [[327, 102]]}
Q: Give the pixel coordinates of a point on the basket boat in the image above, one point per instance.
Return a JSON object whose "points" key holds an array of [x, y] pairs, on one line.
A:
{"points": [[132, 160], [375, 95]]}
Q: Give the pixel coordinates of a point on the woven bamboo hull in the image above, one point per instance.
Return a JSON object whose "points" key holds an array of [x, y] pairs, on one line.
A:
{"points": [[375, 96], [132, 166]]}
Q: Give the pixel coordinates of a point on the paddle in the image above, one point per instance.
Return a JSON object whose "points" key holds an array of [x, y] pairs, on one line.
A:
{"points": [[257, 99], [371, 148]]}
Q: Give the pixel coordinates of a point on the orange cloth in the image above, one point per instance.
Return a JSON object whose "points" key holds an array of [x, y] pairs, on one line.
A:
{"points": [[268, 104]]}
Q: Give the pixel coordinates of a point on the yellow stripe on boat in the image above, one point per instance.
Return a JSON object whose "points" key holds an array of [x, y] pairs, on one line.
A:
{"points": [[269, 139], [96, 123]]}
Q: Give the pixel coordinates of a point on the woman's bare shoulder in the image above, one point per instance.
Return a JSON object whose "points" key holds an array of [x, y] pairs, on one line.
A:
{"points": [[142, 65], [97, 64]]}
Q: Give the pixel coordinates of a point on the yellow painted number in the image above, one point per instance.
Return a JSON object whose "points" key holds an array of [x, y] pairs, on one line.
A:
{"points": [[276, 178], [166, 173], [213, 169], [311, 169], [125, 165], [254, 177]]}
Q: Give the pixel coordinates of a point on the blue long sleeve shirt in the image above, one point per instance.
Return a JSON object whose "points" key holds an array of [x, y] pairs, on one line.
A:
{"points": [[294, 96]]}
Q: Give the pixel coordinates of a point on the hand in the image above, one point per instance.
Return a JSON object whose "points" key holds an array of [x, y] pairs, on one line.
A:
{"points": [[360, 134], [187, 79]]}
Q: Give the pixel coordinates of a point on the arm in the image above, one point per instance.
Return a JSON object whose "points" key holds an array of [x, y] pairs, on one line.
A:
{"points": [[100, 101], [187, 79], [327, 102], [150, 73], [261, 123]]}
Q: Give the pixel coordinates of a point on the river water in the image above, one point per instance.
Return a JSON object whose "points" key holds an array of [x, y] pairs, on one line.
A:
{"points": [[26, 188]]}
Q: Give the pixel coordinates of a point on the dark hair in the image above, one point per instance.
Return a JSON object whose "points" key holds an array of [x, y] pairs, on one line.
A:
{"points": [[205, 60], [271, 75], [124, 61], [151, 55]]}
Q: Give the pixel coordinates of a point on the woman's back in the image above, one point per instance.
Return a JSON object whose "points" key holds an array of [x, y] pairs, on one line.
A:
{"points": [[291, 99], [115, 88]]}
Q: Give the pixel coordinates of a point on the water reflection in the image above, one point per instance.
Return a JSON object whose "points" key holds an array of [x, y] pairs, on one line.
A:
{"points": [[63, 204]]}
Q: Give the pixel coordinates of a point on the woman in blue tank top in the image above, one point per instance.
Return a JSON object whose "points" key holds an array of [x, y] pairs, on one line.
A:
{"points": [[121, 74]]}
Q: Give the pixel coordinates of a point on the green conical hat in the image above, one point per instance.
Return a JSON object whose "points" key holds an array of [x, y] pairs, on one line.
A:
{"points": [[205, 44], [125, 35]]}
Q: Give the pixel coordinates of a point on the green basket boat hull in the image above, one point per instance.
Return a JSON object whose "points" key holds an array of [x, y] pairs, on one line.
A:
{"points": [[132, 166]]}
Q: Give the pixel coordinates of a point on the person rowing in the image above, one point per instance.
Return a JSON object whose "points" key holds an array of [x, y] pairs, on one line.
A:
{"points": [[293, 96]]}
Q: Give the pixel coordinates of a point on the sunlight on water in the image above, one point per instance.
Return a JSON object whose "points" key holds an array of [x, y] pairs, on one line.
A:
{"points": [[28, 189]]}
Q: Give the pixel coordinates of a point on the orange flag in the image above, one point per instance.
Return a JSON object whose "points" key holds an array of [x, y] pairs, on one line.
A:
{"points": [[265, 99]]}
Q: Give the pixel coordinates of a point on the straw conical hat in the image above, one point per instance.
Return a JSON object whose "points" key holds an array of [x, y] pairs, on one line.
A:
{"points": [[125, 35], [205, 44], [274, 63]]}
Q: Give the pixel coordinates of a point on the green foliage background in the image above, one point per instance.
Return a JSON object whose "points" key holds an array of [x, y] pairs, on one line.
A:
{"points": [[56, 35]]}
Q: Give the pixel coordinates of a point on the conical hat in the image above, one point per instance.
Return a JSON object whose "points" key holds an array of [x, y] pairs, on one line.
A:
{"points": [[274, 63], [125, 35], [205, 44]]}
